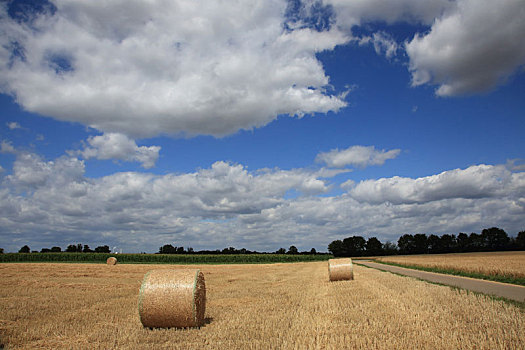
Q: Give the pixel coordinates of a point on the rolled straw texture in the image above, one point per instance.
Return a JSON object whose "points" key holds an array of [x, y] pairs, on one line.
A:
{"points": [[172, 298], [111, 261], [340, 269]]}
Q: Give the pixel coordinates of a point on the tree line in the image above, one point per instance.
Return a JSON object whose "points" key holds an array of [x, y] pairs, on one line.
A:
{"points": [[167, 249], [72, 248], [170, 249], [491, 239]]}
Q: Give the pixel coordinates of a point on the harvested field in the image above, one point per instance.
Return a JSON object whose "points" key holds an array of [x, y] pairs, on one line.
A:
{"points": [[285, 306], [503, 264]]}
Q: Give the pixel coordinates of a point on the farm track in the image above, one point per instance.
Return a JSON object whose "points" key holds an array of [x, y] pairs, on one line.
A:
{"points": [[504, 290]]}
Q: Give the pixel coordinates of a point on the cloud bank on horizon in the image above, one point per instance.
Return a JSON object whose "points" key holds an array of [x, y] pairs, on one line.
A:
{"points": [[192, 67], [226, 205], [130, 69]]}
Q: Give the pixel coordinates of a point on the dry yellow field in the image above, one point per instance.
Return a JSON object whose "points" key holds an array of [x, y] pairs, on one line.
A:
{"points": [[511, 264], [278, 306]]}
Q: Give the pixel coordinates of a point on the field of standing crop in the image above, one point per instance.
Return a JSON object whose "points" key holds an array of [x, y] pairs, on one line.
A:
{"points": [[277, 306], [509, 265]]}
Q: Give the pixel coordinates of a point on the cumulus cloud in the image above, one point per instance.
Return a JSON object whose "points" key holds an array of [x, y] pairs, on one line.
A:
{"points": [[56, 196], [165, 67], [480, 181], [50, 202], [120, 147], [357, 12], [470, 49], [7, 148], [13, 125], [360, 156]]}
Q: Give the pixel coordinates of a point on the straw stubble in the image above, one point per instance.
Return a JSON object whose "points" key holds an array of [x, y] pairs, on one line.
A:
{"points": [[172, 298], [340, 269]]}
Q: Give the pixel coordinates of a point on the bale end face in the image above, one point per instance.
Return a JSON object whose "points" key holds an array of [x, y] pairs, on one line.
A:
{"points": [[111, 261], [172, 298], [340, 270]]}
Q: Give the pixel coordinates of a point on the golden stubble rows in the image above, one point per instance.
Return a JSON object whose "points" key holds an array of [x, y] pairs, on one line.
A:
{"points": [[278, 306], [510, 264]]}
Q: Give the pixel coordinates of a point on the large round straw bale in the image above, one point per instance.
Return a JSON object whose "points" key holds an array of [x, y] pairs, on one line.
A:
{"points": [[172, 298], [340, 269], [111, 261]]}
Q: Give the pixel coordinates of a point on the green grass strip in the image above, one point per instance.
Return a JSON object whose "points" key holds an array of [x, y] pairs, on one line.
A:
{"points": [[497, 278]]}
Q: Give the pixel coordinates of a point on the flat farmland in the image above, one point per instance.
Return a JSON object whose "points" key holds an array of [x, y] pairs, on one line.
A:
{"points": [[494, 265], [274, 306]]}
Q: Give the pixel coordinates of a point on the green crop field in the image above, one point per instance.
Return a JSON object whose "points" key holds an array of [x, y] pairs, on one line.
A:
{"points": [[163, 258]]}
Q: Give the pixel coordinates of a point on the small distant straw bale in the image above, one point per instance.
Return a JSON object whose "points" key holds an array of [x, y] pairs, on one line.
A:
{"points": [[172, 298], [111, 261], [340, 269]]}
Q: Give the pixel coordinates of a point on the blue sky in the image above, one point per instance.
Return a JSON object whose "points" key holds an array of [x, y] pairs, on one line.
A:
{"points": [[259, 124]]}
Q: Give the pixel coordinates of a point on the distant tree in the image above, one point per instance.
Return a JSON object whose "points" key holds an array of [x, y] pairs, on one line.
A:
{"points": [[434, 244], [25, 249], [1, 250], [354, 246], [229, 250], [56, 250], [389, 248], [190, 250], [281, 251], [71, 248], [462, 242], [102, 249], [520, 240], [180, 250], [45, 250], [421, 243], [336, 248], [406, 244], [86, 249], [167, 249], [374, 246], [313, 251], [292, 250], [475, 243], [448, 243], [79, 247], [495, 238]]}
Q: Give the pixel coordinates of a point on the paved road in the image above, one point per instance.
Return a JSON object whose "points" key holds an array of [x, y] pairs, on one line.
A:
{"points": [[505, 290]]}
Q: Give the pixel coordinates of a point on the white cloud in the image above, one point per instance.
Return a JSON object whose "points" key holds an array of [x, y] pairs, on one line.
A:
{"points": [[481, 181], [515, 164], [383, 43], [119, 146], [54, 203], [470, 49], [472, 45], [361, 156], [13, 125], [7, 148], [357, 12], [166, 67]]}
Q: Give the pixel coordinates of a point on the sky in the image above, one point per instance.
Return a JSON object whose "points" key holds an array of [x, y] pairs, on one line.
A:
{"points": [[258, 124]]}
